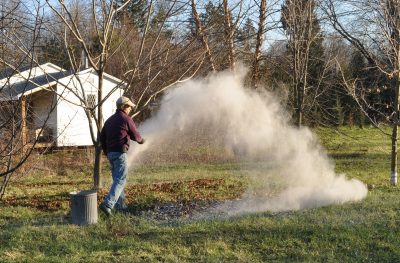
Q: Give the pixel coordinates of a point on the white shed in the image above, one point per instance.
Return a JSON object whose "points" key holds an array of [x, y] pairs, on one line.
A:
{"points": [[54, 98]]}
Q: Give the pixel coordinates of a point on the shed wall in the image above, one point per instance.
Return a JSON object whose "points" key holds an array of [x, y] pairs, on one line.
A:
{"points": [[72, 123]]}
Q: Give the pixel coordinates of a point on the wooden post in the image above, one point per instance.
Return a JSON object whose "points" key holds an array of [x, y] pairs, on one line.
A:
{"points": [[23, 123]]}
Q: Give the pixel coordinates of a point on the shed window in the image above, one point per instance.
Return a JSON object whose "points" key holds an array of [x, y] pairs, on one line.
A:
{"points": [[91, 100]]}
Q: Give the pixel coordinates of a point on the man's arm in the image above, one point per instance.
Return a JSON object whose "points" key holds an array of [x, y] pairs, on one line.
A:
{"points": [[133, 132]]}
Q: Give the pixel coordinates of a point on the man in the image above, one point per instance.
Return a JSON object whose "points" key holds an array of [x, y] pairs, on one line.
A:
{"points": [[115, 138]]}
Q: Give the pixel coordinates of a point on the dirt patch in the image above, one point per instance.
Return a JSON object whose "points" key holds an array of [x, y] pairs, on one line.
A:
{"points": [[181, 209]]}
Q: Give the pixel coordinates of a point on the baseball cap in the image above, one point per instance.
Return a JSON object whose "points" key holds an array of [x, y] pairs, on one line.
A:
{"points": [[124, 101]]}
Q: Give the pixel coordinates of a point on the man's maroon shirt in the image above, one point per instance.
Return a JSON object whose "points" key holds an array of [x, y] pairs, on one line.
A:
{"points": [[117, 132]]}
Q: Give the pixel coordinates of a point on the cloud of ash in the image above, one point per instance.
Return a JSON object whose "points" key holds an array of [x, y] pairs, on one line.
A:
{"points": [[217, 119]]}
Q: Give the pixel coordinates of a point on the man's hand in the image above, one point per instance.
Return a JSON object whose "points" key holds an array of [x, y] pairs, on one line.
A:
{"points": [[142, 141]]}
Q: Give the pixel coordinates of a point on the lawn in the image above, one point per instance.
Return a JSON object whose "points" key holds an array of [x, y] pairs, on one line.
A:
{"points": [[163, 199]]}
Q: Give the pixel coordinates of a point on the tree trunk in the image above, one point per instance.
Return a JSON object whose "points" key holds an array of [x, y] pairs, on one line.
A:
{"points": [[23, 125], [299, 102], [394, 24], [201, 34], [255, 80], [97, 160], [393, 165], [229, 36], [97, 165]]}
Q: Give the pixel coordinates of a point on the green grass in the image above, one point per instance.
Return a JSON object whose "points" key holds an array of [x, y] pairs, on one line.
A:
{"points": [[359, 153], [35, 228]]}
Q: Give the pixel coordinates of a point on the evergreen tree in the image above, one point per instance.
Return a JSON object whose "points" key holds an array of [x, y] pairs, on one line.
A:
{"points": [[213, 21], [246, 37], [357, 68], [338, 114], [135, 13], [372, 87], [317, 61], [53, 50]]}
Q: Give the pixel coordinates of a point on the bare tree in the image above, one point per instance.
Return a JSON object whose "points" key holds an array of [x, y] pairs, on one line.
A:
{"points": [[104, 22], [373, 28], [298, 19], [163, 58], [260, 39], [19, 31], [200, 33], [229, 35], [150, 61]]}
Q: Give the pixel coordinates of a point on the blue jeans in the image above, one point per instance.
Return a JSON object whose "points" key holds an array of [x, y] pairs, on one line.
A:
{"points": [[119, 171]]}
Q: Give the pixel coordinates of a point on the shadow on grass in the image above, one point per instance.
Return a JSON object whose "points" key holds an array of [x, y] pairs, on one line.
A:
{"points": [[347, 155], [362, 156], [56, 183]]}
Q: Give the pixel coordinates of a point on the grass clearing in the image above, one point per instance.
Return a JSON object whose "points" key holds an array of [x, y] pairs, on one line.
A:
{"points": [[35, 226]]}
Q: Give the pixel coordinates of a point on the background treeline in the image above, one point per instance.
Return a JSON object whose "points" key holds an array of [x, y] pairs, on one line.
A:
{"points": [[173, 43]]}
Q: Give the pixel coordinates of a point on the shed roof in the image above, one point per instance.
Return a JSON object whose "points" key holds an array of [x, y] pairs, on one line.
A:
{"points": [[12, 88], [19, 88], [7, 72]]}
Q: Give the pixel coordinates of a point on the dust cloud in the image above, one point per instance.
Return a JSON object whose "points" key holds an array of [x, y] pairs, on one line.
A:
{"points": [[216, 119]]}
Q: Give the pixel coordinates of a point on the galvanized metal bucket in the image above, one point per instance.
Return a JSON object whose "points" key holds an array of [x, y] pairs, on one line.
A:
{"points": [[83, 207]]}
